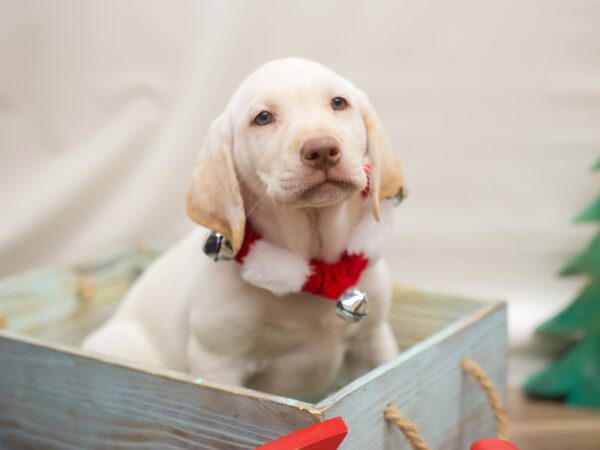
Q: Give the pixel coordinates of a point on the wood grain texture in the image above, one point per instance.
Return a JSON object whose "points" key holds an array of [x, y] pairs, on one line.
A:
{"points": [[55, 398], [53, 395], [64, 305], [326, 435]]}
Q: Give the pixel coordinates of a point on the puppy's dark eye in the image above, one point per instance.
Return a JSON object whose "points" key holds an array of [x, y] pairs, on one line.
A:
{"points": [[339, 103], [263, 118]]}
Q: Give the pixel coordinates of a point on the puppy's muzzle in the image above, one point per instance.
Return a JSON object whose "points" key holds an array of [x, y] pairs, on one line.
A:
{"points": [[321, 153]]}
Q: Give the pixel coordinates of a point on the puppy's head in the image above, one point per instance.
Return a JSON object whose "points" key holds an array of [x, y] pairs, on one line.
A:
{"points": [[295, 133]]}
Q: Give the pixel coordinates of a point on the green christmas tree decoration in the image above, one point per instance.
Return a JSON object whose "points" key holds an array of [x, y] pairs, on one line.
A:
{"points": [[590, 214], [575, 376], [575, 373], [576, 320], [587, 262]]}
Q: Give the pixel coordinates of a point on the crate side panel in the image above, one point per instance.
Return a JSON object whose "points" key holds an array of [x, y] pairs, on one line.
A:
{"points": [[417, 314], [54, 399], [449, 409], [64, 305]]}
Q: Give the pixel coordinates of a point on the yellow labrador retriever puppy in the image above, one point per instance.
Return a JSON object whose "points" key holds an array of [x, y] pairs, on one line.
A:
{"points": [[301, 157]]}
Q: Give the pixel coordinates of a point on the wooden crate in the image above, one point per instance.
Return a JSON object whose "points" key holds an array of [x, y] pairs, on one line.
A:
{"points": [[54, 395]]}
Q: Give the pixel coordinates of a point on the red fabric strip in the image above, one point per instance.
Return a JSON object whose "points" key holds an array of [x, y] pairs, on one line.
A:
{"points": [[250, 237], [331, 280], [326, 280]]}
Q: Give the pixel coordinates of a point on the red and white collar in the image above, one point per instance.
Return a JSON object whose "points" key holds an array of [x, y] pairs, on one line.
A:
{"points": [[282, 271], [294, 273]]}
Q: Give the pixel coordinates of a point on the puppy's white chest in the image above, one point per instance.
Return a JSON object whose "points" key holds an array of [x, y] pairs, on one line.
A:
{"points": [[303, 354], [290, 345]]}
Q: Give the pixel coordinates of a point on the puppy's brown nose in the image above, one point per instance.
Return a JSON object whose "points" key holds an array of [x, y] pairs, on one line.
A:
{"points": [[321, 153]]}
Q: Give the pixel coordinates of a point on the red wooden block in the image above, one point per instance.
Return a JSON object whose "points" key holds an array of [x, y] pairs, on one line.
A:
{"points": [[326, 435], [493, 444]]}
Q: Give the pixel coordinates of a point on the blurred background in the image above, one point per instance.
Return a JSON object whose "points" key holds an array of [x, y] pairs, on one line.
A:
{"points": [[494, 107]]}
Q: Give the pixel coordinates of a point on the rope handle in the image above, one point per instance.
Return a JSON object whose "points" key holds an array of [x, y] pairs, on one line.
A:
{"points": [[479, 375], [485, 382]]}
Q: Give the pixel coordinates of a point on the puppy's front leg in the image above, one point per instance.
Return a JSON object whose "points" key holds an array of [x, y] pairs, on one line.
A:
{"points": [[371, 349], [218, 368], [125, 339]]}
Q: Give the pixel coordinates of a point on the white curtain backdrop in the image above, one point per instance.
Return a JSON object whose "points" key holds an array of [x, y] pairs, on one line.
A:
{"points": [[494, 107]]}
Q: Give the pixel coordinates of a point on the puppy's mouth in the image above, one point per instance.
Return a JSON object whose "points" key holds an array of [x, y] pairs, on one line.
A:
{"points": [[327, 191]]}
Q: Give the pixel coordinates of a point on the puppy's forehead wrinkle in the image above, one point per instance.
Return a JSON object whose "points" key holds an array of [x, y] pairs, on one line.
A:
{"points": [[281, 78], [262, 102]]}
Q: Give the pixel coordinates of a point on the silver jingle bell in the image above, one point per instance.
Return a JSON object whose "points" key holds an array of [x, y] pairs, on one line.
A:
{"points": [[399, 196], [217, 247], [352, 305]]}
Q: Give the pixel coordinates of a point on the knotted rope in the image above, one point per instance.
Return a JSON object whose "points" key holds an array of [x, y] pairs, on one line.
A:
{"points": [[410, 430]]}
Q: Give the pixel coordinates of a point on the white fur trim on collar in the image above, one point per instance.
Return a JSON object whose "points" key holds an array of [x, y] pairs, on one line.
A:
{"points": [[283, 272], [274, 268]]}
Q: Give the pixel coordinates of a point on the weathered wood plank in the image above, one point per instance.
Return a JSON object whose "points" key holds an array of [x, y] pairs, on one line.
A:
{"points": [[57, 398], [426, 383], [50, 305], [418, 314]]}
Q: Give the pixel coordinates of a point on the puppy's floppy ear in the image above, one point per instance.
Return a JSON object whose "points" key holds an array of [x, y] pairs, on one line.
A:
{"points": [[214, 199], [386, 172]]}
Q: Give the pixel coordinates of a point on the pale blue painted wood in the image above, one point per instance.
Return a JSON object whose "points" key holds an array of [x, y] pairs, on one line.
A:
{"points": [[49, 304], [59, 398], [46, 298], [427, 384]]}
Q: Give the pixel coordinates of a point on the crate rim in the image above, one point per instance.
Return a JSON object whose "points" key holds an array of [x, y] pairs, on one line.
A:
{"points": [[317, 409]]}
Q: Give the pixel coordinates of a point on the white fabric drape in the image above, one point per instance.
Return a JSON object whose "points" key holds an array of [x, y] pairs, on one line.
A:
{"points": [[494, 107]]}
